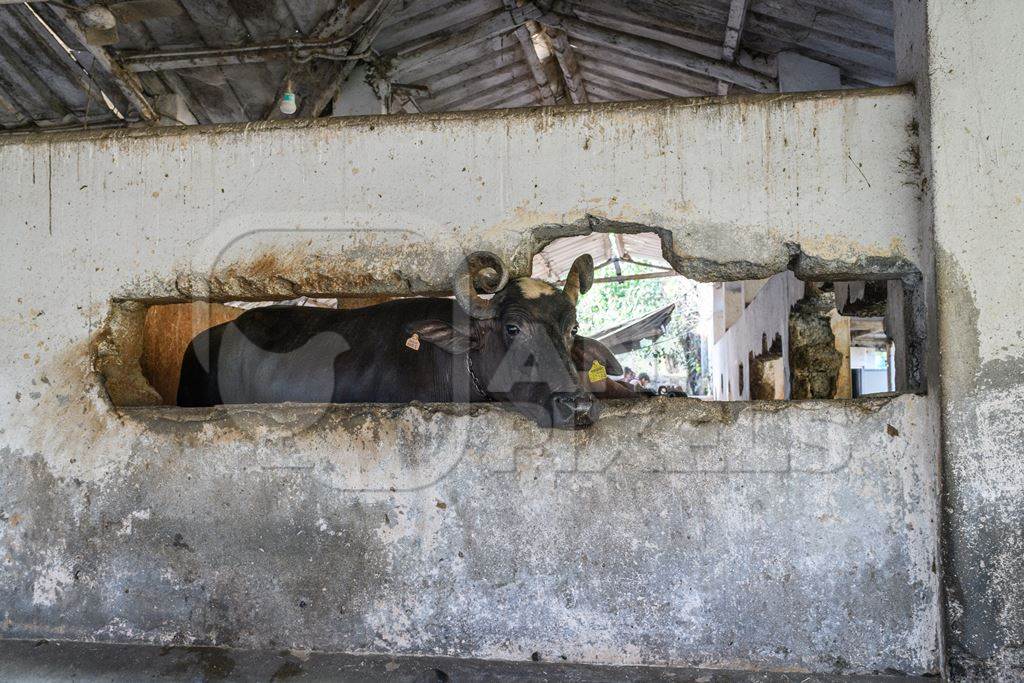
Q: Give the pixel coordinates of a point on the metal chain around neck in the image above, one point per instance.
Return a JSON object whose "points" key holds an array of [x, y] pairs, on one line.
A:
{"points": [[476, 382]]}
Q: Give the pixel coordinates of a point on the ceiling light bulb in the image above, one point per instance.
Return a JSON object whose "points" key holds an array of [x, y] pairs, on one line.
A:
{"points": [[288, 102]]}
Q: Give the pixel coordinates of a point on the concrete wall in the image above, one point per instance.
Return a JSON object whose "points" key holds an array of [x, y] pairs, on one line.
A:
{"points": [[971, 84], [390, 204], [674, 532], [766, 317], [724, 535]]}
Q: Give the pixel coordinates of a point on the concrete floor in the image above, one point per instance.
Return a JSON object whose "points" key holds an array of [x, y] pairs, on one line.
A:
{"points": [[22, 660]]}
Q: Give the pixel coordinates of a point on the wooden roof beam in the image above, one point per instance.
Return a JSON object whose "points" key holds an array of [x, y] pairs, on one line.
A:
{"points": [[631, 90], [665, 54], [612, 69], [529, 49], [558, 41], [127, 82], [593, 51], [509, 74], [734, 29], [733, 33], [616, 17], [404, 34], [486, 99], [474, 65]]}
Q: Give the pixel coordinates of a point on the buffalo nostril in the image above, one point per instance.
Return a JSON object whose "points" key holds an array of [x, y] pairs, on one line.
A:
{"points": [[578, 410], [563, 408]]}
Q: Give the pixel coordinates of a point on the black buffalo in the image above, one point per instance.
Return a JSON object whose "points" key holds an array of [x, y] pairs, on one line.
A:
{"points": [[514, 347]]}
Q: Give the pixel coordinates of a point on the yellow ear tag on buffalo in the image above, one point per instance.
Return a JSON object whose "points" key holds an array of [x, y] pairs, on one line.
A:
{"points": [[597, 372], [413, 342]]}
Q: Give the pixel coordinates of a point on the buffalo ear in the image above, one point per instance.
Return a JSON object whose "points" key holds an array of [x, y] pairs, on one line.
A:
{"points": [[586, 350], [443, 335]]}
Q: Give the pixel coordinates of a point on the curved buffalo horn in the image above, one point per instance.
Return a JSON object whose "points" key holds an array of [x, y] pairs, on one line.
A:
{"points": [[475, 267], [580, 277]]}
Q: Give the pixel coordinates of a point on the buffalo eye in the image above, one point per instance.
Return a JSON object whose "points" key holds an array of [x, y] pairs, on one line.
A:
{"points": [[512, 330]]}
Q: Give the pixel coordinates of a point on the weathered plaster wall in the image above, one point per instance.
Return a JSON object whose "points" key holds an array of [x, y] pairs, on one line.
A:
{"points": [[723, 535], [389, 204], [971, 85], [674, 532]]}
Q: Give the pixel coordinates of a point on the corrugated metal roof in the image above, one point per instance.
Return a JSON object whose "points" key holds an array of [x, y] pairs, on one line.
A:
{"points": [[229, 60], [554, 261], [43, 84], [627, 336]]}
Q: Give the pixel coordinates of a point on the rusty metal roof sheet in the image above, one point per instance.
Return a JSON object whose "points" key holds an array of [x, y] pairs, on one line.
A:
{"points": [[230, 60]]}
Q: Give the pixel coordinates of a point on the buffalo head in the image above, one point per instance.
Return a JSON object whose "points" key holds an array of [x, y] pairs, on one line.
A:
{"points": [[517, 343]]}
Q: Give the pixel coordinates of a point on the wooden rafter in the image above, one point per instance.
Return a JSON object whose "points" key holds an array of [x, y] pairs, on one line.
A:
{"points": [[465, 66], [644, 78], [734, 28], [500, 24], [683, 79], [529, 50], [566, 58], [126, 81], [733, 33], [507, 76], [406, 30], [617, 17]]}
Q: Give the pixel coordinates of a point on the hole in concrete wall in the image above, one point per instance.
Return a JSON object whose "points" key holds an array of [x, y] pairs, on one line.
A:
{"points": [[811, 330], [830, 338], [640, 308], [799, 336]]}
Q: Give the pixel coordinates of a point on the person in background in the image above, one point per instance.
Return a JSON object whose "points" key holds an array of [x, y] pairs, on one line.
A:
{"points": [[643, 381], [629, 376]]}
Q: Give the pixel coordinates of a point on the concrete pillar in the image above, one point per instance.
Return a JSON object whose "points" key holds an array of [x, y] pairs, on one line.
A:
{"points": [[841, 330], [969, 76]]}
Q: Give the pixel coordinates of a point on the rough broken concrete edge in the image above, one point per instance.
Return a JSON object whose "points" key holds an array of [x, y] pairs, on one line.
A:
{"points": [[689, 410], [540, 114], [804, 266], [352, 272], [116, 351]]}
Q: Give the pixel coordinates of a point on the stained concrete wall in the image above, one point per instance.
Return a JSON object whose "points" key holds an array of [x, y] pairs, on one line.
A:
{"points": [[970, 82], [674, 532], [390, 204]]}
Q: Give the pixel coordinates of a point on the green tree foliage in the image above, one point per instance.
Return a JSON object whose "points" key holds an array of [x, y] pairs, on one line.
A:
{"points": [[674, 354]]}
